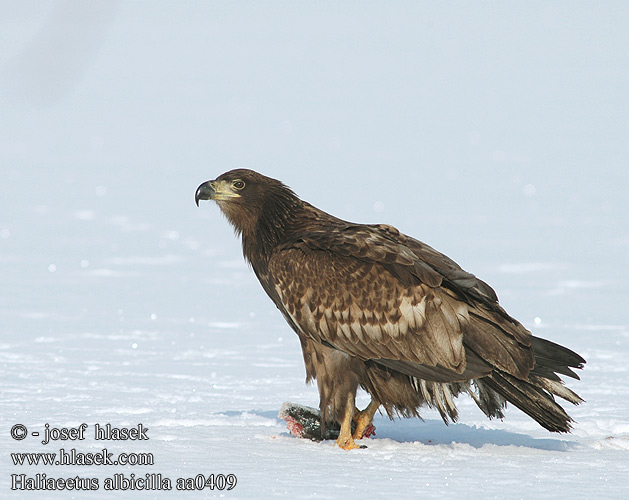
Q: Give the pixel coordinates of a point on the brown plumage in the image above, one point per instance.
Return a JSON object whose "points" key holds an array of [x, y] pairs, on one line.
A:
{"points": [[378, 309]]}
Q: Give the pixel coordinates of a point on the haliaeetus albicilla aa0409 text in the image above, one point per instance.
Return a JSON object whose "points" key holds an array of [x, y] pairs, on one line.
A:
{"points": [[378, 309]]}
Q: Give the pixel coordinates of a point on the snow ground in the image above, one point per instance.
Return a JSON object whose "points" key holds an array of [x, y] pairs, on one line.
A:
{"points": [[497, 135]]}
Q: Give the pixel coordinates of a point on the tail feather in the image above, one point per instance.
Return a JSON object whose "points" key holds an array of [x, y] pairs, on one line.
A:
{"points": [[531, 389], [551, 357], [531, 399], [555, 387], [535, 395]]}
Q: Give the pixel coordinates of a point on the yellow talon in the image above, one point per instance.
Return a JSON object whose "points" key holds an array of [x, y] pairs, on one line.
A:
{"points": [[346, 444], [363, 419]]}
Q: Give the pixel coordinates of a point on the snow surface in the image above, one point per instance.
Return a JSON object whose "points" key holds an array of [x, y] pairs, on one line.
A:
{"points": [[496, 132]]}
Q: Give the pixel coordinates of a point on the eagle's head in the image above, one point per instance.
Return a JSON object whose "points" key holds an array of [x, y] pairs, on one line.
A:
{"points": [[246, 197]]}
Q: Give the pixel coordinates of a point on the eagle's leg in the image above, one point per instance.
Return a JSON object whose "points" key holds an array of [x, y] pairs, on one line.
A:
{"points": [[345, 439], [364, 418]]}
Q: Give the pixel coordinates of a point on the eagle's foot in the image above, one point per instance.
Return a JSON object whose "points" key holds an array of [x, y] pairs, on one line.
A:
{"points": [[363, 420], [346, 443], [364, 428]]}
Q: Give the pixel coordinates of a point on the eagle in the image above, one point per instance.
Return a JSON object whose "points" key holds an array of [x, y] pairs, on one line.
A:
{"points": [[377, 309]]}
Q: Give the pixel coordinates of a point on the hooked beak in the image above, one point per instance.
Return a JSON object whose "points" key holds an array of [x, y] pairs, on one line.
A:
{"points": [[215, 190], [205, 191]]}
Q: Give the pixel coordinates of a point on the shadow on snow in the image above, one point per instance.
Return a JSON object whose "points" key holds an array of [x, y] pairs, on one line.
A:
{"points": [[435, 432]]}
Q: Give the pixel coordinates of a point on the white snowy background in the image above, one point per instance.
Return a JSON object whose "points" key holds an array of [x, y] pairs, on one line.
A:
{"points": [[497, 132]]}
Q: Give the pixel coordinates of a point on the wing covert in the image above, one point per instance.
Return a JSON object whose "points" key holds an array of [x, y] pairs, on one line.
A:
{"points": [[364, 310]]}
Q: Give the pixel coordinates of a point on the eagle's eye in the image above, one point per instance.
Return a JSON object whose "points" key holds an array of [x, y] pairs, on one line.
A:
{"points": [[238, 184]]}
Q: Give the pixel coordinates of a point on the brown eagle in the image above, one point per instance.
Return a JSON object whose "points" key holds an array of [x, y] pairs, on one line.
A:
{"points": [[378, 309]]}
